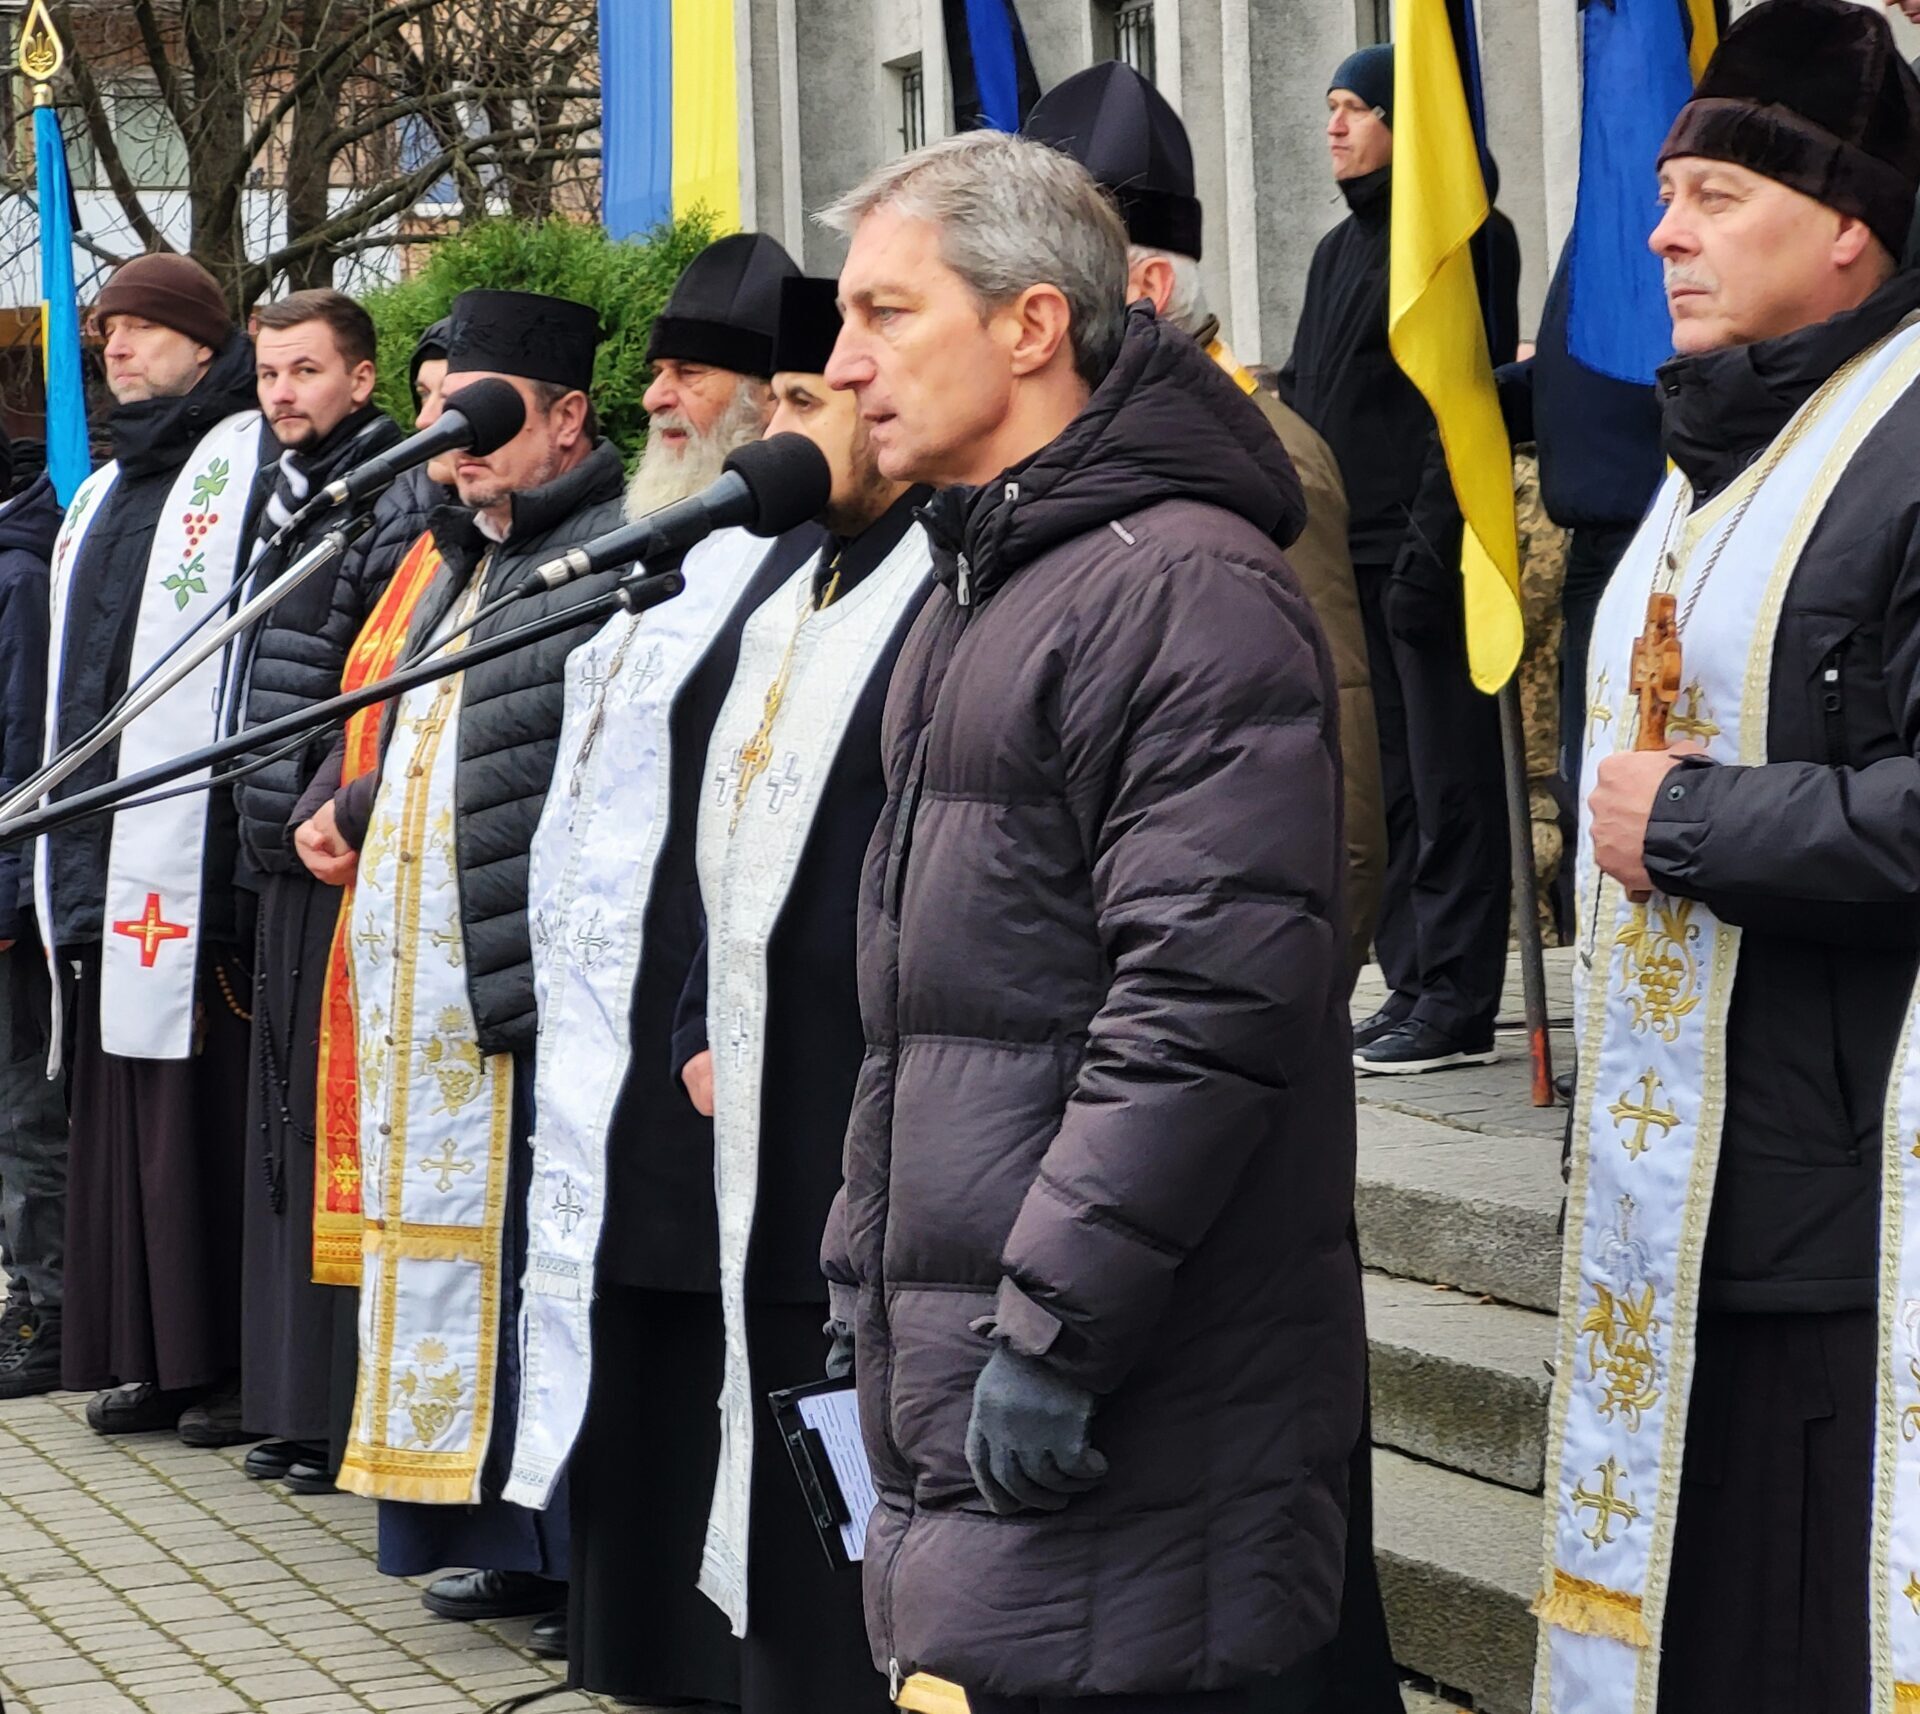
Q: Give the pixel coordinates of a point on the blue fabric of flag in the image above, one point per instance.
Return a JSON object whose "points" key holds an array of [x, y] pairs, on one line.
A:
{"points": [[636, 109], [1635, 79], [68, 461], [995, 69]]}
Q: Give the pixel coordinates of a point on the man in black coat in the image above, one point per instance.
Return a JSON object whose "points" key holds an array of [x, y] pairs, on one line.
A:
{"points": [[314, 357], [555, 485], [152, 1317], [33, 1143], [1442, 935], [1093, 1243], [1784, 854]]}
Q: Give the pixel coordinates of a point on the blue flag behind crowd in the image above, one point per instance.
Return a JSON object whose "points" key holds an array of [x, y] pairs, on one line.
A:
{"points": [[68, 462], [1635, 78], [993, 81]]}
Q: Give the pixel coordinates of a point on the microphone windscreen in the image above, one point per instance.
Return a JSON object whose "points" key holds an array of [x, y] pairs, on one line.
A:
{"points": [[788, 477], [494, 411]]}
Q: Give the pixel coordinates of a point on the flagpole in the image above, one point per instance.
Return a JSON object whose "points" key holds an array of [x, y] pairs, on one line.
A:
{"points": [[1526, 889]]}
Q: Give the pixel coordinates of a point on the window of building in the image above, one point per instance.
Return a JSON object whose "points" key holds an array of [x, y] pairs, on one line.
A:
{"points": [[911, 85], [145, 137], [1133, 36], [419, 145]]}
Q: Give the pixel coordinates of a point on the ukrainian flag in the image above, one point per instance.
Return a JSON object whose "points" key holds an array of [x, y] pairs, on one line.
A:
{"points": [[670, 104], [1434, 322], [68, 461], [1639, 61]]}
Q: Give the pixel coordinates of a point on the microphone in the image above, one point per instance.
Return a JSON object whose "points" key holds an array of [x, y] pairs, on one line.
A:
{"points": [[482, 418], [768, 485]]}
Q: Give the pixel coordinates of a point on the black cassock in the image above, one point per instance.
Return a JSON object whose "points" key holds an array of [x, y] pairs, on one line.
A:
{"points": [[644, 1467]]}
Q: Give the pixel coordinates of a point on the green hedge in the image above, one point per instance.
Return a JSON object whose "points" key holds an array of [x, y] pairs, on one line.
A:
{"points": [[626, 280]]}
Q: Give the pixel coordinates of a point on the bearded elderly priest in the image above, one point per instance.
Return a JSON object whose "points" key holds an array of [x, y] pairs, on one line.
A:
{"points": [[622, 1195], [1734, 1479], [443, 977]]}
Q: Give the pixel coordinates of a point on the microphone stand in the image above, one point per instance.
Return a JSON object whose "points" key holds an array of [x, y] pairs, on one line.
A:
{"points": [[323, 552], [634, 593]]}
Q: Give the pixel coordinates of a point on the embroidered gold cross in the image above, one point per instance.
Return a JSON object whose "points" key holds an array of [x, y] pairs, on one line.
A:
{"points": [[1606, 1504], [431, 724], [1691, 721], [1912, 1591], [346, 1175], [446, 1166], [1642, 1115]]}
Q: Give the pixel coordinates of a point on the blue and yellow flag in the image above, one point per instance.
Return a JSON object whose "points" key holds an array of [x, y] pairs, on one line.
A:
{"points": [[1434, 320], [1639, 62], [670, 106], [68, 461]]}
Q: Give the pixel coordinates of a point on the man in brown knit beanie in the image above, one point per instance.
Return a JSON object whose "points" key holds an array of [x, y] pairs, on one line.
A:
{"points": [[153, 978]]}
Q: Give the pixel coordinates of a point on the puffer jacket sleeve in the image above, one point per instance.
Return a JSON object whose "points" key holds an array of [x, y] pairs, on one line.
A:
{"points": [[1199, 741]]}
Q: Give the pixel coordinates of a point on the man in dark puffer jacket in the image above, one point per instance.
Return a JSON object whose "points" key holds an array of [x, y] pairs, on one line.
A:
{"points": [[1093, 1242], [314, 359]]}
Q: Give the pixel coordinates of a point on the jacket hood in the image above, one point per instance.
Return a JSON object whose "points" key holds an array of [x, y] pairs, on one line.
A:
{"points": [[31, 519], [1720, 409], [157, 434], [1166, 424]]}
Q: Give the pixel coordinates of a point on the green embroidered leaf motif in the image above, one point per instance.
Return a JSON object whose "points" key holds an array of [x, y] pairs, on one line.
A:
{"points": [[188, 581], [211, 482]]}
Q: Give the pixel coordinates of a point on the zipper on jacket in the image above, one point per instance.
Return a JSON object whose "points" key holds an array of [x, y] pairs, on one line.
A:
{"points": [[963, 582], [1832, 703]]}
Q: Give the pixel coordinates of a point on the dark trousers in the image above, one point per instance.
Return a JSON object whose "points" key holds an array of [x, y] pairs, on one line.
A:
{"points": [[33, 1133], [1593, 551], [153, 1197], [1442, 939], [1767, 1604]]}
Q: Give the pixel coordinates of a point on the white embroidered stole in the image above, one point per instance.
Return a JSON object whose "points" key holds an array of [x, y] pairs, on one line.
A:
{"points": [[746, 872], [1652, 990], [590, 875], [150, 947], [436, 1123]]}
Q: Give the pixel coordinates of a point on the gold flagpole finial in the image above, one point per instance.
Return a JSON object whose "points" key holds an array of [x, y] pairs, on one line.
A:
{"points": [[41, 53]]}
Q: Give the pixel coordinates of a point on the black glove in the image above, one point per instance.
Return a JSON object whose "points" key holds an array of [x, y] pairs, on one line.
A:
{"points": [[840, 1352], [1027, 1443]]}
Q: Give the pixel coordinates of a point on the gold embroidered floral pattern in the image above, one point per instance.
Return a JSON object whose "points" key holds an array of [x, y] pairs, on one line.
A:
{"points": [[1660, 963], [1619, 1331], [453, 1056], [430, 1400], [1692, 719]]}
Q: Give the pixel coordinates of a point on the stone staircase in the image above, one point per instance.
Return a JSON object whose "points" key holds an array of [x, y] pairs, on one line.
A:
{"points": [[1458, 1204]]}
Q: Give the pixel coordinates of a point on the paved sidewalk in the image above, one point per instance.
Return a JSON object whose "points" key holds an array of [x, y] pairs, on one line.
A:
{"points": [[140, 1577]]}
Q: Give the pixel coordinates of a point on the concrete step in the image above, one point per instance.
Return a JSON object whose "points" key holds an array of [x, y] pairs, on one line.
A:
{"points": [[1459, 1562], [1471, 1209], [1425, 1702], [1459, 1381]]}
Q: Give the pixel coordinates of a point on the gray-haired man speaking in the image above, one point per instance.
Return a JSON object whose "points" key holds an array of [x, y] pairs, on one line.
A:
{"points": [[1100, 1166]]}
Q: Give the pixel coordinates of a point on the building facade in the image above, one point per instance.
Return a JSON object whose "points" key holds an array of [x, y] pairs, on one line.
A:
{"points": [[831, 88]]}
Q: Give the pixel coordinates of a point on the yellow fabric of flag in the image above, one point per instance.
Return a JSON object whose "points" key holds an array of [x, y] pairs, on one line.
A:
{"points": [[922, 1694], [1434, 323], [706, 112], [1705, 37]]}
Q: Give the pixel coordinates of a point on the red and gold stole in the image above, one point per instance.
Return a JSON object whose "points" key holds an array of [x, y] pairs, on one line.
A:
{"points": [[336, 1158]]}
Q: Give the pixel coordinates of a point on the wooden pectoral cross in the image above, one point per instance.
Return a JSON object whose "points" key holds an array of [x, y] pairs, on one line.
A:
{"points": [[1656, 672]]}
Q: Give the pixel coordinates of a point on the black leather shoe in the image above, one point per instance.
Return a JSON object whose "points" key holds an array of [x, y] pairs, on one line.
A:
{"points": [[215, 1421], [309, 1475], [470, 1595], [30, 1354], [272, 1459], [548, 1638], [1412, 1047], [1372, 1029], [140, 1407]]}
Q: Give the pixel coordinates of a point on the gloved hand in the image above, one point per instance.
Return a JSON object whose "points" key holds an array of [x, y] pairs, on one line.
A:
{"points": [[840, 1351], [1027, 1442]]}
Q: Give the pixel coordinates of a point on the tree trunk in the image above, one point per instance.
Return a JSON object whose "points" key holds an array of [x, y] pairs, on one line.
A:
{"points": [[216, 33], [310, 161]]}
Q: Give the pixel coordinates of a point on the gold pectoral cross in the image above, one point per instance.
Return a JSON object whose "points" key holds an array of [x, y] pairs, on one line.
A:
{"points": [[1656, 672]]}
